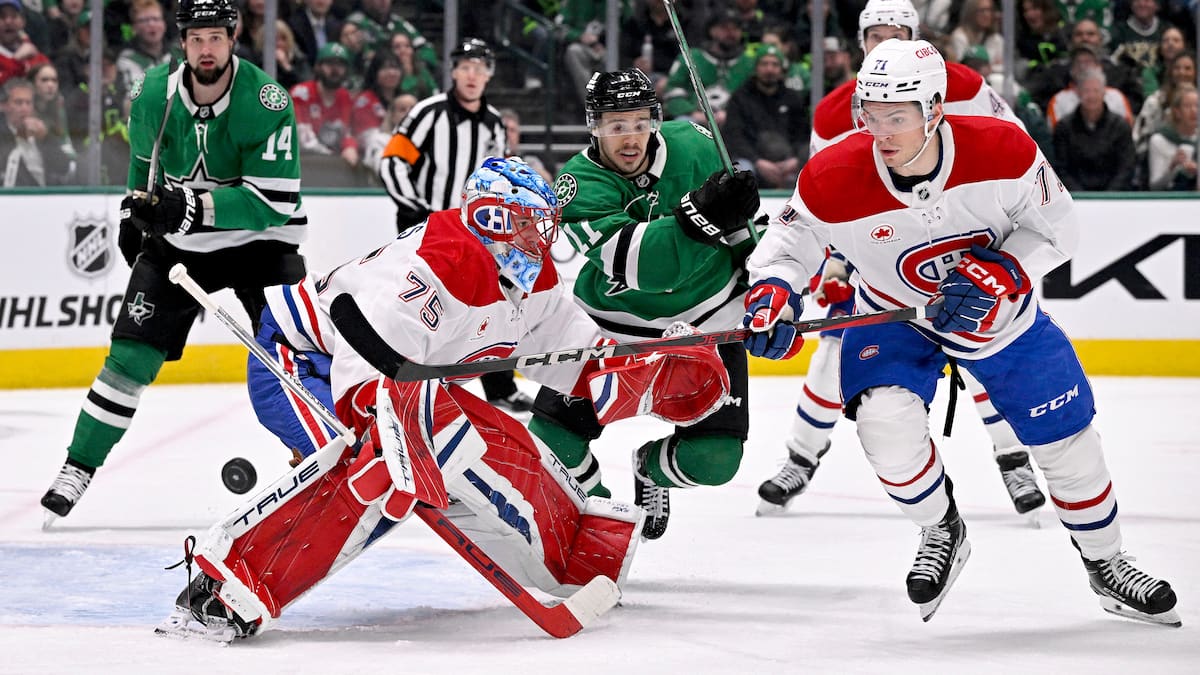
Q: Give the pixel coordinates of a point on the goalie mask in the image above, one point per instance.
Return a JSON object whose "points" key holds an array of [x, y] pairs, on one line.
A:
{"points": [[514, 212]]}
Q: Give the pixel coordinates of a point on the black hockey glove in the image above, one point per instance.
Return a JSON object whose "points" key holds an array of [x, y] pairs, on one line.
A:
{"points": [[172, 209], [407, 219], [129, 239], [719, 207]]}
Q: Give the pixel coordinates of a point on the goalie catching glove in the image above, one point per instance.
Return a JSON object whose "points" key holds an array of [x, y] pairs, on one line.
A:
{"points": [[680, 385], [717, 211], [973, 289]]}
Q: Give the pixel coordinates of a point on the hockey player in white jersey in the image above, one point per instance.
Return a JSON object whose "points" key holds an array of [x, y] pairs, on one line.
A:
{"points": [[968, 211], [470, 284], [819, 406]]}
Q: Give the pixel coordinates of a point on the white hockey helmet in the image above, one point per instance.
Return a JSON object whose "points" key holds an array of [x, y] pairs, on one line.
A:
{"points": [[888, 13], [900, 71]]}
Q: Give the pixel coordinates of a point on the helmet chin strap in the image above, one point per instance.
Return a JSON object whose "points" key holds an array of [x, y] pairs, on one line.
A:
{"points": [[928, 137]]}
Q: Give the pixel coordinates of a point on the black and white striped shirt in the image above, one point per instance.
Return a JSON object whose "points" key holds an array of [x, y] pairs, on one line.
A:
{"points": [[434, 150]]}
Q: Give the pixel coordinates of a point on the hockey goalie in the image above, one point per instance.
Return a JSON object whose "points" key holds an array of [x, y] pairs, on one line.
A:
{"points": [[468, 285]]}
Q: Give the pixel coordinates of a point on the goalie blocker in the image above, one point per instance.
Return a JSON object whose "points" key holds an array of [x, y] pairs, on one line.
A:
{"points": [[429, 442]]}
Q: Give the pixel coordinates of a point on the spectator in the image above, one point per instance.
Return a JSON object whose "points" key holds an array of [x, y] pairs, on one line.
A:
{"points": [[650, 23], [291, 66], [802, 30], [798, 72], [17, 54], [1173, 148], [751, 19], [978, 26], [114, 111], [61, 24], [512, 135], [1099, 12], [253, 13], [353, 40], [314, 27], [73, 59], [51, 107], [766, 123], [935, 18], [415, 78], [378, 24], [582, 26], [323, 107], [1041, 37], [1182, 71], [30, 155], [1135, 40], [373, 141], [721, 66], [1170, 45], [1093, 146], [1084, 60], [838, 66], [380, 86], [148, 47], [1085, 33]]}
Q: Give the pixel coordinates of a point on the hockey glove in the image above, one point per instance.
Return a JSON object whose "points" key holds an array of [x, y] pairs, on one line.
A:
{"points": [[973, 289], [770, 305], [129, 239], [407, 219], [832, 288], [718, 208], [173, 208]]}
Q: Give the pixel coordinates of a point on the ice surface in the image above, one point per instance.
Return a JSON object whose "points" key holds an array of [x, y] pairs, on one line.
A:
{"points": [[820, 589]]}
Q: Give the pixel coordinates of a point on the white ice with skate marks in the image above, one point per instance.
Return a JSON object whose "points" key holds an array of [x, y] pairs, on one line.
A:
{"points": [[820, 588]]}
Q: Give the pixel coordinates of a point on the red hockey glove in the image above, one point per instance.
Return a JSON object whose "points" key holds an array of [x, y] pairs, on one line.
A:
{"points": [[973, 289], [680, 385], [770, 305]]}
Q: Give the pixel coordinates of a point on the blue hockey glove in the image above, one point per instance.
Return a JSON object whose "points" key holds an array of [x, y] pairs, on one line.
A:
{"points": [[770, 304], [973, 289]]}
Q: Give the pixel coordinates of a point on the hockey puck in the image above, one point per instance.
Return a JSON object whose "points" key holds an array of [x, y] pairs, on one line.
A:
{"points": [[239, 475]]}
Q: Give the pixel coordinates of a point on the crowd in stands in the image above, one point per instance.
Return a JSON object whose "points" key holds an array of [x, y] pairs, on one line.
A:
{"points": [[1108, 89]]}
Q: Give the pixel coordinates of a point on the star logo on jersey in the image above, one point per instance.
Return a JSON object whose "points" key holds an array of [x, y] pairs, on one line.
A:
{"points": [[139, 309], [701, 129], [273, 97], [136, 90], [199, 178], [616, 287], [883, 234], [565, 189]]}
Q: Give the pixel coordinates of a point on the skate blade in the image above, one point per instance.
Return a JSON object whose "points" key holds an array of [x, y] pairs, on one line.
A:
{"points": [[1034, 519], [183, 626], [766, 508], [927, 609], [48, 519], [1167, 618]]}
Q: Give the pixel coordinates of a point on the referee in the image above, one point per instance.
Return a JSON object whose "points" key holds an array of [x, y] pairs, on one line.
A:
{"points": [[432, 152]]}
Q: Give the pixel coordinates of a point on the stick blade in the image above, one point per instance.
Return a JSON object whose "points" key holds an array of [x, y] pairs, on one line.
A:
{"points": [[588, 604]]}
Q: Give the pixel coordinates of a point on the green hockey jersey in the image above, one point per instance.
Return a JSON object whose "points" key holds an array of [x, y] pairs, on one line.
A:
{"points": [[240, 149], [642, 272]]}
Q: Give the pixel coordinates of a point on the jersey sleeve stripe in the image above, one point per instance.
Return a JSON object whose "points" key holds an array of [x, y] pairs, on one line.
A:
{"points": [[313, 319], [284, 208], [274, 183], [297, 317]]}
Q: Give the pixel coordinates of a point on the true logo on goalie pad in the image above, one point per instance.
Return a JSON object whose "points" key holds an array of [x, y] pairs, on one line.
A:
{"points": [[277, 496]]}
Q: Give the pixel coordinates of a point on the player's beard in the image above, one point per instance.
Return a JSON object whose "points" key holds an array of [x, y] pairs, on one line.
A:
{"points": [[207, 76]]}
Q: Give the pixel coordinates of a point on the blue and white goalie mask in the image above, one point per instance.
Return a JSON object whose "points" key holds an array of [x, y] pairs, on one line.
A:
{"points": [[515, 214]]}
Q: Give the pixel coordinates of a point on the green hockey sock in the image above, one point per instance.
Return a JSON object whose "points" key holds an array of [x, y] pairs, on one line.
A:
{"points": [[688, 462], [111, 402], [573, 451]]}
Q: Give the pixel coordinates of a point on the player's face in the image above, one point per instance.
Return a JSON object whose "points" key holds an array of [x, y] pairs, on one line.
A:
{"points": [[470, 79], [873, 36], [623, 138], [208, 52], [898, 128]]}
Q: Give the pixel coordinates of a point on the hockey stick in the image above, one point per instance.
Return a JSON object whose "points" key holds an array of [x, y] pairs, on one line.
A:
{"points": [[560, 620], [698, 86], [179, 275], [357, 331]]}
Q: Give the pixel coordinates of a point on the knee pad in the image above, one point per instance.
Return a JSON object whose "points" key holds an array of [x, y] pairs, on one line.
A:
{"points": [[894, 431], [572, 413]]}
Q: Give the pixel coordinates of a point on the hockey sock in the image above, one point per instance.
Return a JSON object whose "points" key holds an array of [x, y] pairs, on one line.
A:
{"points": [[112, 400], [688, 462], [573, 451]]}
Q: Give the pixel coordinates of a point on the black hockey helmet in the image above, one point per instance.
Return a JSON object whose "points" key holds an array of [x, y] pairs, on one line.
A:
{"points": [[473, 48], [206, 14], [619, 90]]}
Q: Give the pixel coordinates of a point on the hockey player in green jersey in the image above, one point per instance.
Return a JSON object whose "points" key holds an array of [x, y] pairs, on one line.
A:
{"points": [[664, 232], [225, 202]]}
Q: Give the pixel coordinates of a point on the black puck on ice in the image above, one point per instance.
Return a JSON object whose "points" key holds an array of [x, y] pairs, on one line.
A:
{"points": [[239, 475]]}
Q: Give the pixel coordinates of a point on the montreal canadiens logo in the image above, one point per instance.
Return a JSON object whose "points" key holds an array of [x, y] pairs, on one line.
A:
{"points": [[868, 352], [924, 267], [883, 234], [492, 218]]}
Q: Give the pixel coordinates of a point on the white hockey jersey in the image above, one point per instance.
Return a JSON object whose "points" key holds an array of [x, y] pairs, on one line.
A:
{"points": [[966, 94], [434, 295], [994, 188]]}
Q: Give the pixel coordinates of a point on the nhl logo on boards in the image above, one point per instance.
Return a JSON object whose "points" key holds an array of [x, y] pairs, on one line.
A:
{"points": [[89, 250], [273, 97]]}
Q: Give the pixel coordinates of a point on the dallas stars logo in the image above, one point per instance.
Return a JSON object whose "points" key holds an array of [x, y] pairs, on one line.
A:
{"points": [[565, 188], [139, 309], [273, 97]]}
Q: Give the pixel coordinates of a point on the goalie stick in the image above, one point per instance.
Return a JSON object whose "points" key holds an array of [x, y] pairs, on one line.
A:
{"points": [[560, 620], [355, 328]]}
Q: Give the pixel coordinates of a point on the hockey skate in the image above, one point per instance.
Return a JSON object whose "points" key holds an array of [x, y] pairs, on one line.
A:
{"points": [[1021, 484], [73, 479], [1126, 591], [516, 403], [791, 481], [943, 551], [200, 615], [656, 500]]}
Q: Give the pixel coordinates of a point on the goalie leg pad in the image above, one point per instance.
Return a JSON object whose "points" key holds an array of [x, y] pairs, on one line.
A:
{"points": [[605, 542]]}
